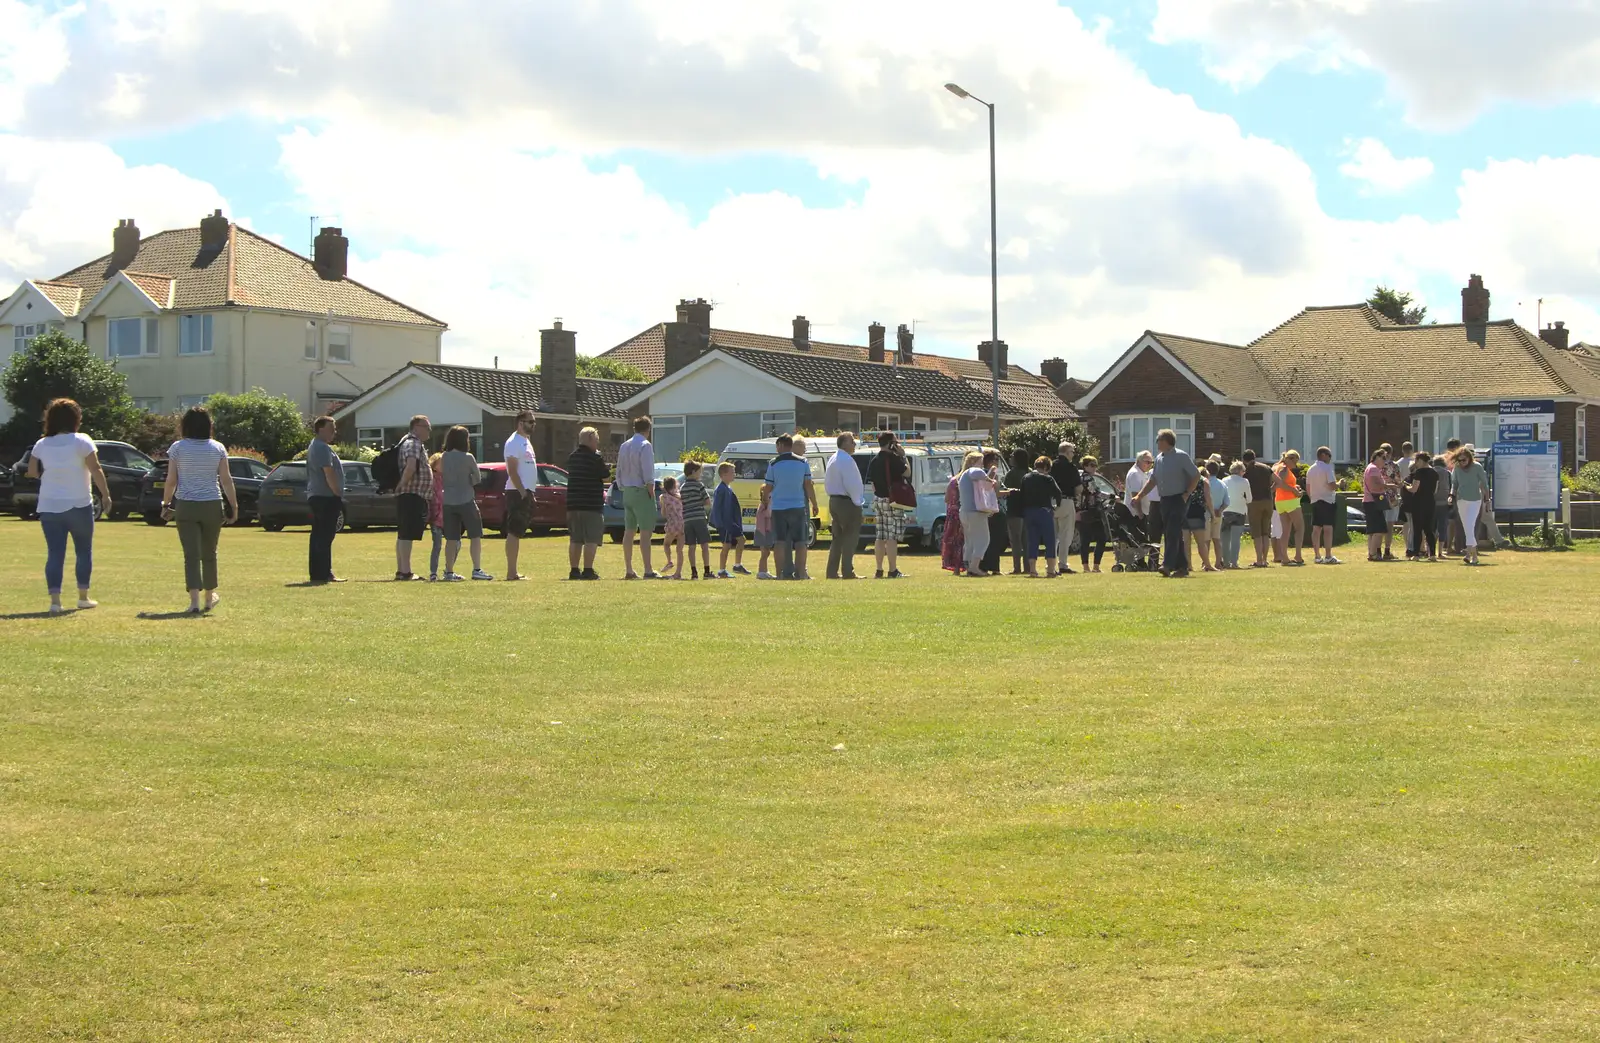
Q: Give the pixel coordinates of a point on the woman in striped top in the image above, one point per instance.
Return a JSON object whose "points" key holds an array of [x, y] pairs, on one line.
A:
{"points": [[199, 480]]}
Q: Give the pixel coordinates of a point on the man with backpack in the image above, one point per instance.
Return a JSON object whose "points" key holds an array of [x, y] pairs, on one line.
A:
{"points": [[413, 492]]}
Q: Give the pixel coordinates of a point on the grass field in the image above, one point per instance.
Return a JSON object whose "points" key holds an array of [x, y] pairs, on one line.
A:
{"points": [[1317, 804]]}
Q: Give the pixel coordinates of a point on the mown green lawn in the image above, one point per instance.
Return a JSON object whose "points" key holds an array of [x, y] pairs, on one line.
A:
{"points": [[1318, 804]]}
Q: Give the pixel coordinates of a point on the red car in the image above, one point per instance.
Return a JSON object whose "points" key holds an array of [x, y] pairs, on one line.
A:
{"points": [[549, 498]]}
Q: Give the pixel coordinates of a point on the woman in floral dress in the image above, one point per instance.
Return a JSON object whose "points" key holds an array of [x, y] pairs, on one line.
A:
{"points": [[951, 557]]}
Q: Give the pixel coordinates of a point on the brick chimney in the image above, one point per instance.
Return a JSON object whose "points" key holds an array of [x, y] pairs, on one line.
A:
{"points": [[1054, 370], [875, 334], [331, 253], [986, 352], [558, 370], [696, 313], [124, 243], [802, 333], [213, 231], [1475, 302], [903, 336], [1556, 335], [684, 344]]}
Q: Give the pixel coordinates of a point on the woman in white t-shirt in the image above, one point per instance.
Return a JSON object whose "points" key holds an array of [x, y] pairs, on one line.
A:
{"points": [[199, 480], [65, 463]]}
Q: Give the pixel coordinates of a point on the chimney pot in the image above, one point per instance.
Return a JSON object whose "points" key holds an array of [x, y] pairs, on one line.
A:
{"points": [[802, 333], [1556, 335], [986, 353], [696, 313], [875, 334], [213, 230], [330, 252], [1054, 371], [903, 355], [124, 243], [1475, 302], [684, 344], [558, 370]]}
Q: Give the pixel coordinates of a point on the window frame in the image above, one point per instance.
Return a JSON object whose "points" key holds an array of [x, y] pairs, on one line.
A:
{"points": [[850, 420], [1482, 421], [146, 404], [946, 424], [773, 423], [369, 437], [921, 423], [149, 337], [343, 330], [1581, 436], [888, 421], [23, 334], [313, 346], [1128, 426], [186, 326], [190, 401]]}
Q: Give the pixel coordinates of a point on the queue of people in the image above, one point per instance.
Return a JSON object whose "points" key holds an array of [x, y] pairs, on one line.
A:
{"points": [[1434, 503]]}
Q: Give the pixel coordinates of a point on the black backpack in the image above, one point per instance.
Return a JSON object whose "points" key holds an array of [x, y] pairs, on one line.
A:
{"points": [[386, 469]]}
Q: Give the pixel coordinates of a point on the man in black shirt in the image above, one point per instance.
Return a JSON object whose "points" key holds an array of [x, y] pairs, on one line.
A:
{"points": [[1039, 497], [1064, 469], [1263, 487], [587, 475], [887, 468]]}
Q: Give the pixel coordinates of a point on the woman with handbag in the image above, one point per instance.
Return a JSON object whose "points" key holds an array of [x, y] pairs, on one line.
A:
{"points": [[890, 490], [952, 547], [998, 533]]}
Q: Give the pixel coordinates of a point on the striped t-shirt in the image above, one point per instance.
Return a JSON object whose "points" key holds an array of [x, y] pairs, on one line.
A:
{"points": [[197, 460], [694, 499]]}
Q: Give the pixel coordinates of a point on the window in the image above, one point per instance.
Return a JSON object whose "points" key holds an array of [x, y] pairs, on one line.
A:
{"points": [[1131, 435], [187, 401], [371, 437], [919, 423], [22, 337], [241, 467], [937, 471], [1255, 433], [1583, 433], [778, 423], [311, 341], [551, 476], [131, 338], [475, 439], [149, 405], [338, 343], [194, 335], [1430, 431], [850, 420], [888, 421], [946, 424]]}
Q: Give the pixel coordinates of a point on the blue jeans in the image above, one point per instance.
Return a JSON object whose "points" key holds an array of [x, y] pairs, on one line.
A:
{"points": [[1233, 528], [438, 541], [1174, 509], [79, 524]]}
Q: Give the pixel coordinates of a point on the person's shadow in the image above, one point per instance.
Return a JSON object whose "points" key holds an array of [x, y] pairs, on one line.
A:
{"points": [[182, 614], [39, 615]]}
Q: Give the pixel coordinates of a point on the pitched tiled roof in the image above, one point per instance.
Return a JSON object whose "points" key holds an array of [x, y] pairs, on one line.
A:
{"points": [[1228, 368], [246, 269], [157, 287], [867, 382], [1353, 354], [1031, 399], [647, 350], [63, 295], [506, 390]]}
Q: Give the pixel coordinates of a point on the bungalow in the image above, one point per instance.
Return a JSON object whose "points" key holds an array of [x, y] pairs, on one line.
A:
{"points": [[486, 402], [1346, 377], [715, 386]]}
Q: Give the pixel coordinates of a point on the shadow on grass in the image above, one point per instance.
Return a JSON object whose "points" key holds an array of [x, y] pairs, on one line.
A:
{"points": [[181, 614], [39, 615]]}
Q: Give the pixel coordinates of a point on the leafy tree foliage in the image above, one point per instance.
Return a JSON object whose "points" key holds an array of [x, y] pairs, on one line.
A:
{"points": [[270, 424], [1397, 306], [1044, 438], [607, 369], [56, 366]]}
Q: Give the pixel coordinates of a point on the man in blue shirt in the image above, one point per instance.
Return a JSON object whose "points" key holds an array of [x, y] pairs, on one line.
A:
{"points": [[792, 495], [1175, 477]]}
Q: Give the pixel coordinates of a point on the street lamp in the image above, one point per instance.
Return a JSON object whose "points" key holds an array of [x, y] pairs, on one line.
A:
{"points": [[994, 261]]}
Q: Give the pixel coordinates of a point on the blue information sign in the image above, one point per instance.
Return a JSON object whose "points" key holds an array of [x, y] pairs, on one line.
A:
{"points": [[1527, 419]]}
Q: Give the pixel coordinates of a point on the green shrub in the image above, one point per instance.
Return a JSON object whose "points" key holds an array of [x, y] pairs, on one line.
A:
{"points": [[270, 424], [701, 453], [350, 454], [1044, 438], [1587, 479]]}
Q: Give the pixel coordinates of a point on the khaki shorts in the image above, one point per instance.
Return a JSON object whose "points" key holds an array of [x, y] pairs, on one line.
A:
{"points": [[519, 512], [585, 527]]}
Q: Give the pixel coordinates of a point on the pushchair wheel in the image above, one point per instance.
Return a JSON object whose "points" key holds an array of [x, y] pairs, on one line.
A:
{"points": [[1117, 568]]}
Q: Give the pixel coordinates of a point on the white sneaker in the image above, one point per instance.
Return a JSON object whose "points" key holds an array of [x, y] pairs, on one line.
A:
{"points": [[723, 574], [765, 575], [480, 574], [84, 604], [1319, 561], [454, 577], [1331, 560]]}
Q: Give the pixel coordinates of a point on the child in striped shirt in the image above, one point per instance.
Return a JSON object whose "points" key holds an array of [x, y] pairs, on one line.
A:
{"points": [[696, 519]]}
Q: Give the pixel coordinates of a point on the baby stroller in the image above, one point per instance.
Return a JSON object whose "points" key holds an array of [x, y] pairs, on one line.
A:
{"points": [[1134, 551]]}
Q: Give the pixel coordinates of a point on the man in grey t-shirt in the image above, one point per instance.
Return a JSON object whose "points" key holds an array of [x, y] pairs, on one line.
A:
{"points": [[1175, 477], [324, 492]]}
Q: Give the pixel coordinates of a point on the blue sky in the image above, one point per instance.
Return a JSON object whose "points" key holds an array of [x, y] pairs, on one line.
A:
{"points": [[738, 207]]}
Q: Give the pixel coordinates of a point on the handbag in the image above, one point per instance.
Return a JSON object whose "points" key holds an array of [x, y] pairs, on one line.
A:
{"points": [[902, 496], [984, 498]]}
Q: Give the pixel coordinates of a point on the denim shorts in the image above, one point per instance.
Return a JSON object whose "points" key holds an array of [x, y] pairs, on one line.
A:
{"points": [[790, 526]]}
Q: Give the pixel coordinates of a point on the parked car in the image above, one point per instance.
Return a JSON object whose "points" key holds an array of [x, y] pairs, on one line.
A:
{"points": [[7, 487], [282, 499], [612, 512], [125, 469], [549, 498], [247, 472]]}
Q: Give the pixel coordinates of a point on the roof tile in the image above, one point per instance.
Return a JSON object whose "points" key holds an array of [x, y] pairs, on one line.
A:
{"points": [[506, 390]]}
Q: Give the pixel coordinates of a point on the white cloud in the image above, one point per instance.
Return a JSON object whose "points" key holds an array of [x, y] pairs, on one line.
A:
{"points": [[1447, 60], [1379, 170], [33, 52]]}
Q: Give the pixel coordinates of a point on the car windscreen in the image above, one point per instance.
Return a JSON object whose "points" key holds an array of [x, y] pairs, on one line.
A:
{"points": [[294, 474], [752, 468]]}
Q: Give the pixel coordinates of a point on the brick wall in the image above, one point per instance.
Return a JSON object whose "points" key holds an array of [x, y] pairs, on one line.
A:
{"points": [[1150, 385]]}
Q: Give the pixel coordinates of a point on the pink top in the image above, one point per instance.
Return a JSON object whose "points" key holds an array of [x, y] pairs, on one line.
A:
{"points": [[436, 505], [764, 518], [672, 512], [1372, 484]]}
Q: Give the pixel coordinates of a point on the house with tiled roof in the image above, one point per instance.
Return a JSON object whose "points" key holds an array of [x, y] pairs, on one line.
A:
{"points": [[486, 402], [1346, 377], [190, 312], [715, 386]]}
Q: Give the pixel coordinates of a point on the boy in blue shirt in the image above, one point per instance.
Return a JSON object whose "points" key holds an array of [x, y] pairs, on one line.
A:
{"points": [[728, 519], [792, 498]]}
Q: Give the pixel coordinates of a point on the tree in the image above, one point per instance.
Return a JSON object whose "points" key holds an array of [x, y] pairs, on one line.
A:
{"points": [[150, 433], [1397, 306], [269, 424], [56, 366], [1044, 438], [701, 453], [607, 369]]}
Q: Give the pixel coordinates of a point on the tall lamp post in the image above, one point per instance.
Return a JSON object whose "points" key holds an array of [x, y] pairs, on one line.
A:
{"points": [[994, 261]]}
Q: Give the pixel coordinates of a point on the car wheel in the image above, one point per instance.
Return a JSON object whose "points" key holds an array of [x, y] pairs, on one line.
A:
{"points": [[340, 525], [615, 534], [936, 538], [154, 518], [267, 526]]}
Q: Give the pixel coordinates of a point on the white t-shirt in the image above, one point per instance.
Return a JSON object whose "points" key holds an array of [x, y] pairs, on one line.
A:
{"points": [[64, 481], [518, 448], [1321, 482], [1238, 493], [1133, 484]]}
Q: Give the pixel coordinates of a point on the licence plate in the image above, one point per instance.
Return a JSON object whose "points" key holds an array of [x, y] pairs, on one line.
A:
{"points": [[283, 492], [158, 485], [749, 512]]}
